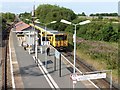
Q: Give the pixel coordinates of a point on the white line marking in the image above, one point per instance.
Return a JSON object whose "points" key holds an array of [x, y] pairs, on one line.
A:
{"points": [[77, 69], [94, 85], [45, 75], [11, 67], [72, 64], [52, 80], [14, 62]]}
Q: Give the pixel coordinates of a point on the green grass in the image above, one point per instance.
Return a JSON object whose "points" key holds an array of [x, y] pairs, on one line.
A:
{"points": [[101, 55]]}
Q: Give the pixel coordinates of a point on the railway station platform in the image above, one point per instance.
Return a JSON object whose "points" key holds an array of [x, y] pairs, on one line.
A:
{"points": [[63, 80], [33, 73]]}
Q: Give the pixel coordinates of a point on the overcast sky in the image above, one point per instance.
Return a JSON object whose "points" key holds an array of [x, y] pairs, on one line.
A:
{"points": [[78, 6]]}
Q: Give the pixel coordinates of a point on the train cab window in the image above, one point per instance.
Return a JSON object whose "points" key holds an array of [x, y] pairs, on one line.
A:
{"points": [[57, 38], [60, 37]]}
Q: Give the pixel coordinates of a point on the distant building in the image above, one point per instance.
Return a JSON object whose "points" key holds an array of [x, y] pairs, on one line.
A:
{"points": [[25, 33], [21, 26]]}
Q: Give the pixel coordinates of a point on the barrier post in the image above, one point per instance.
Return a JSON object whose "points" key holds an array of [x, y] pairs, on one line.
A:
{"points": [[60, 65], [54, 63], [111, 80]]}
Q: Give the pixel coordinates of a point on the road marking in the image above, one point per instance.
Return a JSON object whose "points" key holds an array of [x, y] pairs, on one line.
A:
{"points": [[11, 67], [46, 75]]}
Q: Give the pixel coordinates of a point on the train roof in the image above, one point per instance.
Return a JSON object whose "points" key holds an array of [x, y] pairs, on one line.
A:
{"points": [[51, 30]]}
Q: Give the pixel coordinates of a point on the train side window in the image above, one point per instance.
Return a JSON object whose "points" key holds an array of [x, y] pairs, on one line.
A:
{"points": [[60, 37], [65, 37], [57, 38]]}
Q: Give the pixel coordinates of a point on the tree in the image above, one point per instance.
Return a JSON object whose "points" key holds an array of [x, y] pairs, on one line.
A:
{"points": [[8, 16], [100, 17], [47, 13], [24, 16], [104, 14], [108, 32], [83, 14]]}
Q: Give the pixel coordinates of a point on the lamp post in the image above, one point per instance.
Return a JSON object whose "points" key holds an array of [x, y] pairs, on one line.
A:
{"points": [[35, 37], [70, 23], [29, 36], [46, 39]]}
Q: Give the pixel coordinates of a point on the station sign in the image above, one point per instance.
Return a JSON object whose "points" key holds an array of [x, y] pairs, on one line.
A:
{"points": [[88, 77], [45, 43]]}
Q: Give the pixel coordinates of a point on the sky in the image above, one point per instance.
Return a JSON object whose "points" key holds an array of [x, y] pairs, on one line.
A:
{"points": [[78, 6]]}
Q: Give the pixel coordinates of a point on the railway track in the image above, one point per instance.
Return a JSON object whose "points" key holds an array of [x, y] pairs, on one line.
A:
{"points": [[5, 64], [82, 66]]}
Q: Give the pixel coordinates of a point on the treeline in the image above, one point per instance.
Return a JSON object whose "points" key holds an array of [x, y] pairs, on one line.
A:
{"points": [[82, 14], [9, 17], [5, 23], [98, 29], [104, 14], [5, 19], [24, 16], [47, 13], [102, 31]]}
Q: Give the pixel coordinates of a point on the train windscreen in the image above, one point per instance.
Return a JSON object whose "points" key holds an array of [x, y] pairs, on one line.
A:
{"points": [[60, 37]]}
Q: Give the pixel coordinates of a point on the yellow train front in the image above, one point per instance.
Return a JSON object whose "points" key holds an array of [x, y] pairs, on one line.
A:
{"points": [[58, 39]]}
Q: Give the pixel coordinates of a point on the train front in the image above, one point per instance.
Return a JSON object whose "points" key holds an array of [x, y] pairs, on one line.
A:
{"points": [[61, 41]]}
